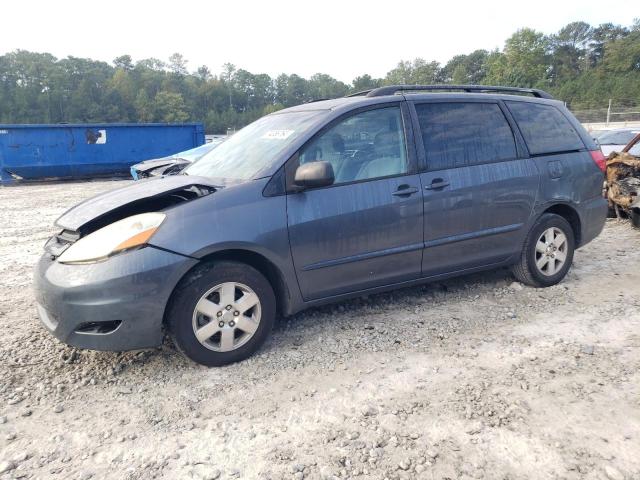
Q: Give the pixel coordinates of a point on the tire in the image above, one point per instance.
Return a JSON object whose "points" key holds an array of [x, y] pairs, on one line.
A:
{"points": [[207, 290], [527, 270]]}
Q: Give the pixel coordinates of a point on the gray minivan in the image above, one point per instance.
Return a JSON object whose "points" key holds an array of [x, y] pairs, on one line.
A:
{"points": [[320, 202]]}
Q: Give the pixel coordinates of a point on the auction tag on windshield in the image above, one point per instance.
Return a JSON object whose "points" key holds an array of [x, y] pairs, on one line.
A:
{"points": [[278, 134]]}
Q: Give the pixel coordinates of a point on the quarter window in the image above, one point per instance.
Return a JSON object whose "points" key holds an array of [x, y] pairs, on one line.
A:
{"points": [[364, 146], [463, 134], [544, 128]]}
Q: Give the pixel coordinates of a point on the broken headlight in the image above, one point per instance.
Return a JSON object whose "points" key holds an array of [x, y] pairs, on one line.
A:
{"points": [[125, 234]]}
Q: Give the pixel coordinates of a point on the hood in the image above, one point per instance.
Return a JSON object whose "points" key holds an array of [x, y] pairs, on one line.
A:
{"points": [[144, 196], [160, 162]]}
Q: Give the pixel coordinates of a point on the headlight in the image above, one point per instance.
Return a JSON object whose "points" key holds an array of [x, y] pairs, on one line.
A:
{"points": [[124, 234]]}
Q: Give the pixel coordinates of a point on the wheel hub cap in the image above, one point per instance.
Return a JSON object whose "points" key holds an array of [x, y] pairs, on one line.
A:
{"points": [[551, 251], [226, 316]]}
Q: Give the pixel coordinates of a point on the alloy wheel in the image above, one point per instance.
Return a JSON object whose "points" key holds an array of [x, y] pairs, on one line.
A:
{"points": [[551, 251], [226, 316]]}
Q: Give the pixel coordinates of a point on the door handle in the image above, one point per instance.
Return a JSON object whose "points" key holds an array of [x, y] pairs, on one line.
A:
{"points": [[405, 191], [437, 184]]}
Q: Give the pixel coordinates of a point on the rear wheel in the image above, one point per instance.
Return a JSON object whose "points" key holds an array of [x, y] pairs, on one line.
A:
{"points": [[221, 313], [547, 253]]}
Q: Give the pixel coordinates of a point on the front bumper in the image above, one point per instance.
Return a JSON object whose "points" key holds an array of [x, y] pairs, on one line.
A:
{"points": [[117, 304]]}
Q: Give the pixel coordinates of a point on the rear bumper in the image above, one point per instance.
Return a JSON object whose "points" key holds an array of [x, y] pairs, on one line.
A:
{"points": [[124, 298], [593, 215]]}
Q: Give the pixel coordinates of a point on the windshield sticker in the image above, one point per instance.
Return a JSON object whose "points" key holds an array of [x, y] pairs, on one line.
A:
{"points": [[278, 134]]}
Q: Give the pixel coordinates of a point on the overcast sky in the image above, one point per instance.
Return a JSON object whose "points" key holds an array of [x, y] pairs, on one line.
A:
{"points": [[343, 38]]}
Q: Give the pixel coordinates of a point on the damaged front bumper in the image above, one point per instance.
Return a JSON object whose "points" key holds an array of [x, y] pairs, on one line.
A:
{"points": [[117, 304]]}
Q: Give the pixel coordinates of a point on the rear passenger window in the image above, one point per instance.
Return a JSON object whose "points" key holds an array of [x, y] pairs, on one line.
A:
{"points": [[544, 128], [462, 134]]}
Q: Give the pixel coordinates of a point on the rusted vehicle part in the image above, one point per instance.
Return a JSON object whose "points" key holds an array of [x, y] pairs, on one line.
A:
{"points": [[623, 183], [630, 145]]}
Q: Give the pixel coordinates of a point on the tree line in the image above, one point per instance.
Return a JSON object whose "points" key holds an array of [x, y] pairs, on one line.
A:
{"points": [[583, 65]]}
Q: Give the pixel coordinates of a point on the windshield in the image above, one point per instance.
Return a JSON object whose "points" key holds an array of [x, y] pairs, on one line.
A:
{"points": [[254, 147]]}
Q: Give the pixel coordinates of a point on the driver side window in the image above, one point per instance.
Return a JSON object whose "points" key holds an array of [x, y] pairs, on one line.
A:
{"points": [[364, 146]]}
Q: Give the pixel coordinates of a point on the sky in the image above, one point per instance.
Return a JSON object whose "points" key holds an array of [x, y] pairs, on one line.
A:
{"points": [[343, 38]]}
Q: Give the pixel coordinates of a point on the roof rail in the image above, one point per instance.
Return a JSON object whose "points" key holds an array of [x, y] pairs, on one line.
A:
{"points": [[360, 94], [393, 89]]}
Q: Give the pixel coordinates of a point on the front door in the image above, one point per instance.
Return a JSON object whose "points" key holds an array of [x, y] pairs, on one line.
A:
{"points": [[366, 229]]}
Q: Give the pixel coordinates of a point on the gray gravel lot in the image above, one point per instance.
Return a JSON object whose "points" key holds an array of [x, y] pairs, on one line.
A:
{"points": [[476, 377]]}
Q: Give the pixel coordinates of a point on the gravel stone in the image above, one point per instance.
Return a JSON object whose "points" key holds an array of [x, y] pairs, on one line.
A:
{"points": [[612, 473], [6, 466]]}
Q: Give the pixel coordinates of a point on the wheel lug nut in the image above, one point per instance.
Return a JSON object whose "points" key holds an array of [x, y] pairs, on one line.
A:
{"points": [[236, 313], [228, 307], [221, 324], [219, 314], [232, 323]]}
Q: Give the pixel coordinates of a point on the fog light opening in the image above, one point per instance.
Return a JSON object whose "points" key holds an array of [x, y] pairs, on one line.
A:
{"points": [[98, 328]]}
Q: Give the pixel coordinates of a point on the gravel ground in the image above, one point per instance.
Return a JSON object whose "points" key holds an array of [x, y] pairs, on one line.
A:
{"points": [[476, 377]]}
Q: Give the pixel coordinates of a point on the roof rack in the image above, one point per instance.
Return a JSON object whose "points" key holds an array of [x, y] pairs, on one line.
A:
{"points": [[360, 94], [394, 89]]}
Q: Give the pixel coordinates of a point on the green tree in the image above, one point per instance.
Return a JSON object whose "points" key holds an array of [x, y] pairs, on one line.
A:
{"points": [[203, 73], [365, 82], [418, 72], [169, 107], [623, 55], [144, 107], [523, 63], [178, 64], [468, 69], [322, 85], [124, 62], [600, 36]]}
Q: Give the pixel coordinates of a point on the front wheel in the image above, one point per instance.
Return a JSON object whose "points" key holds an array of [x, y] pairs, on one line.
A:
{"points": [[547, 253], [221, 313]]}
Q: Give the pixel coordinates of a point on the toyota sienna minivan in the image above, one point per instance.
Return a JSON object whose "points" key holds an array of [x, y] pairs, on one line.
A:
{"points": [[317, 203]]}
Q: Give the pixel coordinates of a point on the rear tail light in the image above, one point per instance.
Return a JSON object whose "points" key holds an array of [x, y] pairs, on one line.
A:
{"points": [[599, 158]]}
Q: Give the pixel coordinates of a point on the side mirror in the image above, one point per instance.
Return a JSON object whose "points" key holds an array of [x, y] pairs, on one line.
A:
{"points": [[314, 174]]}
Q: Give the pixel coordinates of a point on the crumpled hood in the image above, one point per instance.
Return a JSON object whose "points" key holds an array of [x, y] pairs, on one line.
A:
{"points": [[161, 162], [145, 195]]}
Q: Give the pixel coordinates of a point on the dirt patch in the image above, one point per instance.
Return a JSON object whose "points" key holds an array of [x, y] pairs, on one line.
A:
{"points": [[476, 377]]}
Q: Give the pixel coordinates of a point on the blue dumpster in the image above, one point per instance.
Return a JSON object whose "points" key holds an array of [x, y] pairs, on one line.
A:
{"points": [[33, 152]]}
